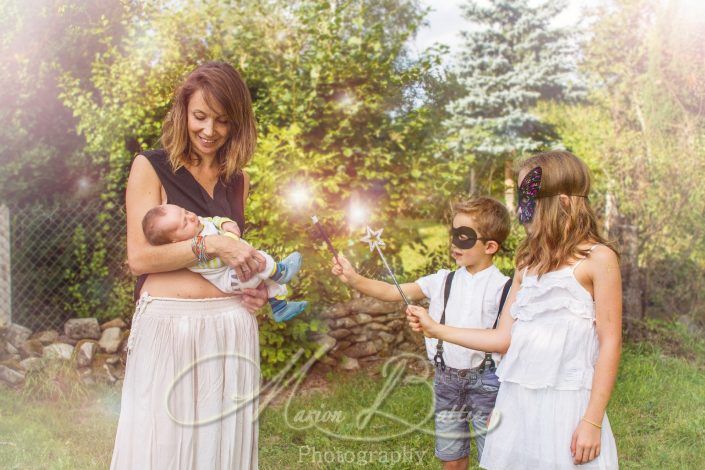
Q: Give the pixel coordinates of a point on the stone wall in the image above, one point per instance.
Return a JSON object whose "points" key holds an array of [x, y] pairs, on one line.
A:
{"points": [[365, 329], [361, 331]]}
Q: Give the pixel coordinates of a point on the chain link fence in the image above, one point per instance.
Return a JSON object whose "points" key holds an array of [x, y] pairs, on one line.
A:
{"points": [[66, 260]]}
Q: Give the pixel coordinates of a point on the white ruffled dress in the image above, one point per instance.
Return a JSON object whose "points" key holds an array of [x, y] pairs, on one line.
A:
{"points": [[546, 378]]}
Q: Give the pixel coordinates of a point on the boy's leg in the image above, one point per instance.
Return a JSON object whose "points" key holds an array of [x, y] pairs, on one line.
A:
{"points": [[452, 432], [483, 394], [281, 309]]}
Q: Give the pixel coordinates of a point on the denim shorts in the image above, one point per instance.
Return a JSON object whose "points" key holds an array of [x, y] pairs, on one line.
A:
{"points": [[463, 397]]}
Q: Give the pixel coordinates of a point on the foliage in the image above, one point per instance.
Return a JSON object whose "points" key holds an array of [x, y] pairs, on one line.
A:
{"points": [[340, 104], [41, 153], [511, 61]]}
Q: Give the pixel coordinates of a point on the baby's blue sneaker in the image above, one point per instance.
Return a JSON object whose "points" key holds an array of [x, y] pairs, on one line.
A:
{"points": [[287, 268], [285, 311]]}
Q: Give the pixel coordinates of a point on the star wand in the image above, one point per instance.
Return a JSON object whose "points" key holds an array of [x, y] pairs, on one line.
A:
{"points": [[374, 239]]}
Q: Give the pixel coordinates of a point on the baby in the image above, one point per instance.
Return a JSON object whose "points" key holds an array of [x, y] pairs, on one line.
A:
{"points": [[170, 223]]}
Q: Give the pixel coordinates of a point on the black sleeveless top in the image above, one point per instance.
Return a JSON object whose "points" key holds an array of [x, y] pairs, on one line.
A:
{"points": [[183, 190]]}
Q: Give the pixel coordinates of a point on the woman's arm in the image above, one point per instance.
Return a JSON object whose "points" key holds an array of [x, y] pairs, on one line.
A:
{"points": [[377, 289], [481, 339], [603, 268], [144, 192]]}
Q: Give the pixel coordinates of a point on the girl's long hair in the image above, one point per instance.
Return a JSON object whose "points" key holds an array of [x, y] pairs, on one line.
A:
{"points": [[556, 229], [221, 84]]}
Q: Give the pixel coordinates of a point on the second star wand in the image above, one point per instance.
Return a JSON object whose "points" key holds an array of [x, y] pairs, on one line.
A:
{"points": [[374, 239]]}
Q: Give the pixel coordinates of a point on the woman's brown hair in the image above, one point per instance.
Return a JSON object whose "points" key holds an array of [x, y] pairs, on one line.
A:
{"points": [[558, 229], [221, 84]]}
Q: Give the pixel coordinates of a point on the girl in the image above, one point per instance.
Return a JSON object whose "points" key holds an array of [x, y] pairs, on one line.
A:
{"points": [[562, 337]]}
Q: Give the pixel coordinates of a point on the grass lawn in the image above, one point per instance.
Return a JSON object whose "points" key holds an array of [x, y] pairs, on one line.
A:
{"points": [[657, 413]]}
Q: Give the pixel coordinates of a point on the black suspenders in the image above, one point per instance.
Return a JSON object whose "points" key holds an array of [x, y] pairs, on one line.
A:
{"points": [[438, 358], [488, 361]]}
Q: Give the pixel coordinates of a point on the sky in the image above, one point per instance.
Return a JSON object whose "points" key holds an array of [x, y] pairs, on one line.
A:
{"points": [[446, 22]]}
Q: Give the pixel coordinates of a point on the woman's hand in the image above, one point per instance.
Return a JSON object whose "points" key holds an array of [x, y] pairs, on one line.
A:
{"points": [[343, 269], [585, 445], [420, 320], [244, 259], [254, 299]]}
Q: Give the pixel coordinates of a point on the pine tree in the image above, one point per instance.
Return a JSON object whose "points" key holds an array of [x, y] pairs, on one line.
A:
{"points": [[511, 58]]}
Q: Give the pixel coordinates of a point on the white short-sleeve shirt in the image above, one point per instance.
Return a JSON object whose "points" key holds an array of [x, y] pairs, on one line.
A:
{"points": [[473, 303]]}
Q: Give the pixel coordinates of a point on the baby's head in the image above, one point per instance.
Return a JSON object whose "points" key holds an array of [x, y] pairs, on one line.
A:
{"points": [[480, 226], [169, 223]]}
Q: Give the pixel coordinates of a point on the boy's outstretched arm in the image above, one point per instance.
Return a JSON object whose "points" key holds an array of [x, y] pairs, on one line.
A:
{"points": [[481, 339], [371, 287]]}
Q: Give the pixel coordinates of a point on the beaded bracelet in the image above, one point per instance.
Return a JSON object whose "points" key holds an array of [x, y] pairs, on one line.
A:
{"points": [[198, 246]]}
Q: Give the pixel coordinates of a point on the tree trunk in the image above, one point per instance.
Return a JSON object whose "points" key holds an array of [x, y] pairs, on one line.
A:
{"points": [[620, 228], [509, 187]]}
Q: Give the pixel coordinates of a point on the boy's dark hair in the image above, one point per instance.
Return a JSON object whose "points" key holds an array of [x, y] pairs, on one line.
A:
{"points": [[150, 227], [490, 215]]}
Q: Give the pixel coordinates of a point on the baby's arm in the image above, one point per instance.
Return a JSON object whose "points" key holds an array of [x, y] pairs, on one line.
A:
{"points": [[371, 287], [496, 340], [227, 225]]}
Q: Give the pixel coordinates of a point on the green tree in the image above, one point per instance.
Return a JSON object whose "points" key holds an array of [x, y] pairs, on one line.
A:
{"points": [[511, 59], [340, 105]]}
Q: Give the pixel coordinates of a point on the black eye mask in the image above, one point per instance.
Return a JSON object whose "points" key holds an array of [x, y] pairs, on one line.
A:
{"points": [[465, 237]]}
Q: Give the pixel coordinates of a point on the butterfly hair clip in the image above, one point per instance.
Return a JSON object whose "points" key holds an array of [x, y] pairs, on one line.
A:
{"points": [[528, 193]]}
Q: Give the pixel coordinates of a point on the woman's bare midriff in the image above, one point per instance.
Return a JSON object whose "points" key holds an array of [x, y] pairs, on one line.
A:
{"points": [[182, 284]]}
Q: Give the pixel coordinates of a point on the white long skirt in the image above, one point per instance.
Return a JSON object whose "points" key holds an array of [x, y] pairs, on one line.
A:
{"points": [[189, 398], [533, 428]]}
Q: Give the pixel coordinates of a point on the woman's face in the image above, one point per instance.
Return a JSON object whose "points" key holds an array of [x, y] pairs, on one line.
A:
{"points": [[208, 128]]}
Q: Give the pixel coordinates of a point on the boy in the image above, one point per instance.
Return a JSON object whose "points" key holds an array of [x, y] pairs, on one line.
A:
{"points": [[170, 223], [465, 384]]}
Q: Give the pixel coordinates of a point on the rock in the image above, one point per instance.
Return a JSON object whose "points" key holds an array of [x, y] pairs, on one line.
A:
{"points": [[110, 339], [85, 352], [31, 348], [114, 323], [59, 351], [122, 349], [326, 342], [16, 335], [11, 376], [82, 328], [399, 338], [346, 322], [361, 350], [349, 363], [359, 338], [340, 333], [373, 306], [690, 325], [335, 311], [370, 358], [112, 360], [386, 337], [11, 349], [396, 325], [46, 337], [67, 340], [109, 373], [327, 360], [377, 327], [362, 318], [32, 363]]}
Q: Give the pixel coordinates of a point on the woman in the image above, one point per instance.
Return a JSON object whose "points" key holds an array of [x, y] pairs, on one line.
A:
{"points": [[189, 398]]}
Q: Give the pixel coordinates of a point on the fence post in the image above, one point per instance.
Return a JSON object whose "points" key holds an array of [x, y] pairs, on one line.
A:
{"points": [[5, 268]]}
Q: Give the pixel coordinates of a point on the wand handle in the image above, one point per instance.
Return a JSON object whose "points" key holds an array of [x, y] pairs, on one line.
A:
{"points": [[394, 278], [325, 237]]}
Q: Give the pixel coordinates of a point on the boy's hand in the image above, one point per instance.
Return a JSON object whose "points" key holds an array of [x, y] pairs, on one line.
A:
{"points": [[343, 269], [231, 227], [420, 320]]}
